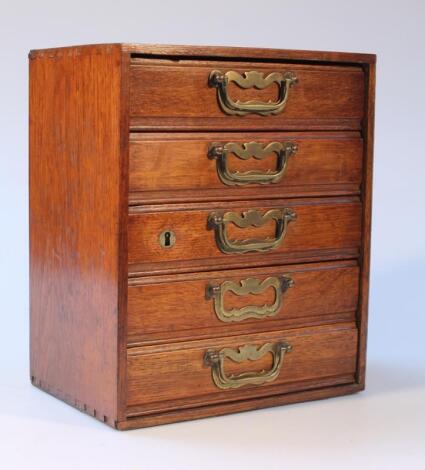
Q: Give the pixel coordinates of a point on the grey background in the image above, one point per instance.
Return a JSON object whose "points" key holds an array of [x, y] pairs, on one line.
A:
{"points": [[381, 428]]}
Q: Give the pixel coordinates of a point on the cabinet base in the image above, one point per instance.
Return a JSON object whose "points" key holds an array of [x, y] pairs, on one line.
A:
{"points": [[235, 407]]}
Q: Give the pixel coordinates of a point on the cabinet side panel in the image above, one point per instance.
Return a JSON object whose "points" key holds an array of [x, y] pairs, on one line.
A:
{"points": [[75, 186], [368, 130]]}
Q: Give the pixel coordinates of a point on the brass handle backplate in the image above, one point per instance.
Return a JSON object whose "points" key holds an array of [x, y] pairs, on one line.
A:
{"points": [[218, 222], [245, 287], [253, 79], [215, 360], [245, 151]]}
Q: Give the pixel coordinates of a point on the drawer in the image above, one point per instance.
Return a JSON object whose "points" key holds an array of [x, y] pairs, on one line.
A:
{"points": [[220, 165], [225, 303], [244, 95], [206, 235], [238, 367]]}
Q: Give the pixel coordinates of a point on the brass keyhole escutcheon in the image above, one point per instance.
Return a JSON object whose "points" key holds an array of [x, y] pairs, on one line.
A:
{"points": [[167, 239]]}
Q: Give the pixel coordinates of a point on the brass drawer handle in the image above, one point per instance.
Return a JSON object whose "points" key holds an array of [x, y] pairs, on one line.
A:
{"points": [[218, 221], [215, 360], [245, 151], [251, 79], [245, 287]]}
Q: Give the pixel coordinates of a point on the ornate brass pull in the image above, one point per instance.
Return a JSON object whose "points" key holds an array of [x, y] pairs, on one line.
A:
{"points": [[245, 287], [218, 221], [244, 152], [251, 79], [215, 359]]}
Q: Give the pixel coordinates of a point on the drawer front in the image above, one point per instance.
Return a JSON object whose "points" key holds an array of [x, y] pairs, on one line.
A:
{"points": [[229, 302], [226, 163], [233, 233], [191, 95], [240, 367]]}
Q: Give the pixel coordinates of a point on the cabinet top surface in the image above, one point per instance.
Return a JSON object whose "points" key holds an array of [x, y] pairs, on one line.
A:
{"points": [[207, 52]]}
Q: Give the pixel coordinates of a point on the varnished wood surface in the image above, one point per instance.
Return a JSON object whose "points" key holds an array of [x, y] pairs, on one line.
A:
{"points": [[184, 311], [181, 92], [212, 264], [84, 107], [246, 53], [141, 198], [165, 124], [327, 390], [178, 163], [366, 221], [177, 371], [321, 224], [123, 240], [244, 395], [75, 271], [197, 52]]}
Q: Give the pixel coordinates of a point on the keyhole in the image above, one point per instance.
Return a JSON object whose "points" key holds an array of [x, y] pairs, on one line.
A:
{"points": [[167, 236], [167, 239]]}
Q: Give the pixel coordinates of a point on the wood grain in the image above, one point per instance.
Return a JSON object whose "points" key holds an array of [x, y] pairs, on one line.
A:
{"points": [[320, 225], [178, 164], [246, 53], [184, 312], [76, 157], [123, 239], [181, 92], [319, 392], [107, 119], [199, 52], [366, 221], [177, 371]]}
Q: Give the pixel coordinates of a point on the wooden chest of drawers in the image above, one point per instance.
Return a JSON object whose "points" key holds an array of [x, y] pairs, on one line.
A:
{"points": [[199, 228]]}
